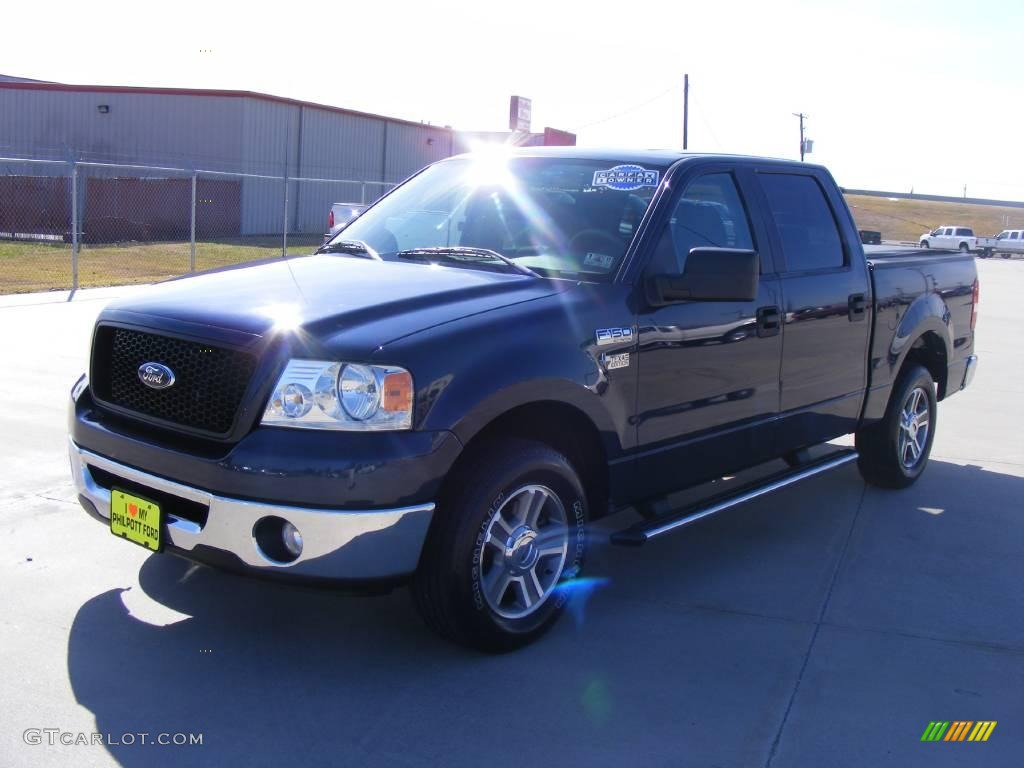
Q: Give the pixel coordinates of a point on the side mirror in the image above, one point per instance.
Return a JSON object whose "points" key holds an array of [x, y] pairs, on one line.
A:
{"points": [[710, 274]]}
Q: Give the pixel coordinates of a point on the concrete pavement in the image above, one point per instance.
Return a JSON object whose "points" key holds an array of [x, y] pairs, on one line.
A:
{"points": [[825, 625]]}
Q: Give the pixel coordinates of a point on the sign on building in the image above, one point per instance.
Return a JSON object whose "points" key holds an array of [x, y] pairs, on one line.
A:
{"points": [[519, 114]]}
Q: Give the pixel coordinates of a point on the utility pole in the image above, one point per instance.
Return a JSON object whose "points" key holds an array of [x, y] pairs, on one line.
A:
{"points": [[802, 117], [686, 111]]}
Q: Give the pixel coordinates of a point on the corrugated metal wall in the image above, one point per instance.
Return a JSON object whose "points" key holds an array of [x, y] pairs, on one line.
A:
{"points": [[139, 128], [226, 133]]}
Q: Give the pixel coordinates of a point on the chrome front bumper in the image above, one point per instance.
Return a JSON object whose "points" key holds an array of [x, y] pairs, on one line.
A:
{"points": [[337, 544]]}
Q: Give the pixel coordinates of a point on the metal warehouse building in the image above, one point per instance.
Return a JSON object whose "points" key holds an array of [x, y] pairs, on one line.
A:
{"points": [[226, 131]]}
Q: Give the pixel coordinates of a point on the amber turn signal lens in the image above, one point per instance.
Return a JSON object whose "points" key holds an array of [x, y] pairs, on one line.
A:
{"points": [[397, 391]]}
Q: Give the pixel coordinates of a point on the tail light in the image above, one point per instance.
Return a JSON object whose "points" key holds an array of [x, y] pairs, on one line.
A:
{"points": [[330, 224], [974, 303]]}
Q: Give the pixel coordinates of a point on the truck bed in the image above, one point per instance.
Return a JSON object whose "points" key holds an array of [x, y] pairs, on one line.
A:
{"points": [[881, 256]]}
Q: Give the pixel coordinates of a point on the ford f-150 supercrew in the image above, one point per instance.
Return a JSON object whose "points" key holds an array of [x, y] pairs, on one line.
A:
{"points": [[498, 352]]}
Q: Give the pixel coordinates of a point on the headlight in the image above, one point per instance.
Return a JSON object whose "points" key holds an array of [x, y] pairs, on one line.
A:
{"points": [[319, 394]]}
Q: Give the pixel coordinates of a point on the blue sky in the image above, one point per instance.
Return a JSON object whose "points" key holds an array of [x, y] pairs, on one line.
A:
{"points": [[928, 95]]}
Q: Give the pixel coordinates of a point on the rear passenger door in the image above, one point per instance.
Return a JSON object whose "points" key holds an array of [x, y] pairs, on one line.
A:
{"points": [[826, 306]]}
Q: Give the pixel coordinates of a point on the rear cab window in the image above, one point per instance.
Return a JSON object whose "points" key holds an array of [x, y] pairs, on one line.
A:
{"points": [[804, 220]]}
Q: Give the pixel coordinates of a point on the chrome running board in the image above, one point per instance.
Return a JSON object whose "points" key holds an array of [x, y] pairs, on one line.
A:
{"points": [[648, 529]]}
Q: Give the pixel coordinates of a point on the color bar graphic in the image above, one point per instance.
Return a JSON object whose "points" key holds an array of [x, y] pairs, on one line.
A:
{"points": [[958, 730]]}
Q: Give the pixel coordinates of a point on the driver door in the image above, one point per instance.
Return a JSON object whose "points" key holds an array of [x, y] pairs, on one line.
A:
{"points": [[708, 370]]}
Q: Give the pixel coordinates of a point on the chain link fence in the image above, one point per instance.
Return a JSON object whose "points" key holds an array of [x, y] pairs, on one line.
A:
{"points": [[69, 225]]}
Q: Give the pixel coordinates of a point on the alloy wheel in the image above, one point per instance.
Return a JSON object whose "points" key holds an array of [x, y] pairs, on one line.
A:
{"points": [[525, 547], [914, 425]]}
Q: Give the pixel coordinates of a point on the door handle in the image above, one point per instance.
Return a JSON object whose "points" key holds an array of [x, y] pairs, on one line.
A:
{"points": [[856, 306], [769, 321]]}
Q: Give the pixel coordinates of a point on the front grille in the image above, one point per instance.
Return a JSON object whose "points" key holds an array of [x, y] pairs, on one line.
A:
{"points": [[209, 382]]}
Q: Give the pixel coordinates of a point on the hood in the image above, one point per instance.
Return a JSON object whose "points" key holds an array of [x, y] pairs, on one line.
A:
{"points": [[327, 294]]}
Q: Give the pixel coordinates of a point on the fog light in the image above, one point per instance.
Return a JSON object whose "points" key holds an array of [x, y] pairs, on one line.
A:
{"points": [[292, 539], [277, 540]]}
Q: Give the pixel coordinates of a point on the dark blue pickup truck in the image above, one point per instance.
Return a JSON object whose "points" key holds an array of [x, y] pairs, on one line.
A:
{"points": [[503, 349]]}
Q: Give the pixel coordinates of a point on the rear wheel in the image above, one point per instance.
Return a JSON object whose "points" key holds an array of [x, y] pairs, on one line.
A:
{"points": [[503, 541], [964, 248], [894, 451]]}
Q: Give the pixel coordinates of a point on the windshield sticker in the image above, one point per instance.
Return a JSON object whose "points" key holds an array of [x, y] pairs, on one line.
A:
{"points": [[602, 260], [625, 178]]}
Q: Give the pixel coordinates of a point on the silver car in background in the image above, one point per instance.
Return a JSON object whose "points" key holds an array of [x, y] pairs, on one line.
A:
{"points": [[340, 215]]}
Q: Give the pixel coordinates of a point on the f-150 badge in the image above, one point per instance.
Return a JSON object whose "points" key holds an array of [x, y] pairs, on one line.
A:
{"points": [[613, 336]]}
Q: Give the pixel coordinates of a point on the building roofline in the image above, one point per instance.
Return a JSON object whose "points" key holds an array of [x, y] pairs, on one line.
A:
{"points": [[65, 87]]}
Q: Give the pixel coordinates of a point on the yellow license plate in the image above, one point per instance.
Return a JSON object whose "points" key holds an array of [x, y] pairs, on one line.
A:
{"points": [[135, 519]]}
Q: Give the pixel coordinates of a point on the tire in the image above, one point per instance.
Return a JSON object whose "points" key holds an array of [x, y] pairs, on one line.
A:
{"points": [[886, 457], [924, 244], [964, 248], [493, 524]]}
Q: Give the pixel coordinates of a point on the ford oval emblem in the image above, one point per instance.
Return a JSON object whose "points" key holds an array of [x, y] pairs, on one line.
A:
{"points": [[156, 375]]}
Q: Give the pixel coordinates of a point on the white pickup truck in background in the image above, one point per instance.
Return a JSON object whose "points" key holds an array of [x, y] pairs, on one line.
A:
{"points": [[956, 239], [1006, 243], [1009, 242]]}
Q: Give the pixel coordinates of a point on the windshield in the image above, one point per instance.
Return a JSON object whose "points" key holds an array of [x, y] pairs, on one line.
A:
{"points": [[556, 216]]}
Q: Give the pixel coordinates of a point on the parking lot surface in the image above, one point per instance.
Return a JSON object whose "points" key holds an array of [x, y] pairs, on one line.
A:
{"points": [[824, 625]]}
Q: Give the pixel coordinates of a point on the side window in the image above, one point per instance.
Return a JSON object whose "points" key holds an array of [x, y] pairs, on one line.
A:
{"points": [[810, 238], [1013, 235], [962, 232], [710, 214]]}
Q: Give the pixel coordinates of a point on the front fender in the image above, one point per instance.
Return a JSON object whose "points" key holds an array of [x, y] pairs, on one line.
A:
{"points": [[470, 372]]}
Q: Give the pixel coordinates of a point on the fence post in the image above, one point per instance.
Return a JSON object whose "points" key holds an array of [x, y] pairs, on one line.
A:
{"points": [[192, 236], [284, 237], [74, 226], [362, 194]]}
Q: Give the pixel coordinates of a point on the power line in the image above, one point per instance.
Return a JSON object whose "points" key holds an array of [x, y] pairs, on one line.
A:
{"points": [[629, 109], [701, 111]]}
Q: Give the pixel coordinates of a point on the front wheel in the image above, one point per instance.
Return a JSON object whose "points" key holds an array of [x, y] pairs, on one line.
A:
{"points": [[506, 537], [894, 451], [924, 244]]}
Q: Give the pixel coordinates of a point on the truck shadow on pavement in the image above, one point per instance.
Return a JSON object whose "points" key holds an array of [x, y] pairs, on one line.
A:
{"points": [[272, 675]]}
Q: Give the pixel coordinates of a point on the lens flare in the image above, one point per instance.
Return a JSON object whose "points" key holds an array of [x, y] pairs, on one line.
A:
{"points": [[285, 317], [577, 592], [489, 166], [597, 701]]}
